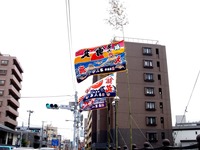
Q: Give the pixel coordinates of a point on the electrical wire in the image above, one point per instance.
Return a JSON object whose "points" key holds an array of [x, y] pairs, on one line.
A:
{"points": [[122, 137], [46, 96], [68, 18], [188, 103]]}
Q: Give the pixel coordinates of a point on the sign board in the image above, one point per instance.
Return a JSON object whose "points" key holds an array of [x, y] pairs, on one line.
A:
{"points": [[66, 107], [71, 103], [54, 142]]}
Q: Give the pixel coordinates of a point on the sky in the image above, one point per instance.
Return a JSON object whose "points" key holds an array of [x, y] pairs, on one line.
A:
{"points": [[36, 32]]}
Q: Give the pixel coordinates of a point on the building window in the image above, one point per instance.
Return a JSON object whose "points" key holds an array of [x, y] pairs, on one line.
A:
{"points": [[159, 77], [148, 77], [161, 119], [160, 91], [151, 121], [161, 105], [2, 82], [150, 106], [149, 91], [147, 51], [152, 137], [148, 64], [1, 103], [4, 62], [157, 51], [158, 64], [3, 72], [162, 135], [1, 92]]}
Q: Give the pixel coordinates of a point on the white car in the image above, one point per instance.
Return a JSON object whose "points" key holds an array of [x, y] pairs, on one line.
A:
{"points": [[47, 148]]}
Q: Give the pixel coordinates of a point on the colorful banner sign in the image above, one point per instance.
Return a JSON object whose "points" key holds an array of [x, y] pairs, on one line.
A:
{"points": [[106, 87], [100, 60], [92, 104], [98, 53]]}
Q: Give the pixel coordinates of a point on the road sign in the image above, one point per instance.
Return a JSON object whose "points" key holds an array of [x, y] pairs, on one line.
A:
{"points": [[54, 142], [66, 107]]}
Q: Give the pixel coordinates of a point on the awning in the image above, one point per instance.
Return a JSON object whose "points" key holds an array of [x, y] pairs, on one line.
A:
{"points": [[7, 129]]}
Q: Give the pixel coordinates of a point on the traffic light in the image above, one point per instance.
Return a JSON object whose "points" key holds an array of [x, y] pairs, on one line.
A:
{"points": [[52, 106]]}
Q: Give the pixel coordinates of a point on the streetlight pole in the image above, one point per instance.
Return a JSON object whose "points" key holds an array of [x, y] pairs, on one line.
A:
{"points": [[115, 104], [42, 134], [29, 116]]}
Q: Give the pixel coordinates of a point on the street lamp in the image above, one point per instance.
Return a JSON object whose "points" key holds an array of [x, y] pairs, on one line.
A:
{"points": [[42, 134], [115, 105], [29, 111]]}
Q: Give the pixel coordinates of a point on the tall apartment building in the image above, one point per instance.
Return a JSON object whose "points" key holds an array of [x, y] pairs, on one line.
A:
{"points": [[144, 112], [10, 86]]}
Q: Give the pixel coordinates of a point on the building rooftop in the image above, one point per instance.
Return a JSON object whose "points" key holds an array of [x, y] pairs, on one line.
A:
{"points": [[136, 40]]}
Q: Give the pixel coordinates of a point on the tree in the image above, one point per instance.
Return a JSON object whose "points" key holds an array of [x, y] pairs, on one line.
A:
{"points": [[117, 15]]}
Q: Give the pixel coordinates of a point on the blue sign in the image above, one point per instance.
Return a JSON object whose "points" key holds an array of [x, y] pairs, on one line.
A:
{"points": [[54, 142]]}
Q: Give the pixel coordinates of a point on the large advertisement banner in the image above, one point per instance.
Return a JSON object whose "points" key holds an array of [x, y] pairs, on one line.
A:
{"points": [[92, 104], [100, 60], [106, 87]]}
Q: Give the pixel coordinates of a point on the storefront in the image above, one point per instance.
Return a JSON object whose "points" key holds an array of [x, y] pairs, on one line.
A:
{"points": [[7, 136]]}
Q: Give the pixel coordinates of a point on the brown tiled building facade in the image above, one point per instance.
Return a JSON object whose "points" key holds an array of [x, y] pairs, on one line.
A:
{"points": [[10, 86], [144, 108]]}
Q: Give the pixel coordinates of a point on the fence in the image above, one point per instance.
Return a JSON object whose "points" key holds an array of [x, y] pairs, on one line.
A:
{"points": [[166, 146]]}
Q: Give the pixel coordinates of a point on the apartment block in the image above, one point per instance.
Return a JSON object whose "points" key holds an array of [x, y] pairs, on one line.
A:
{"points": [[144, 111], [10, 86]]}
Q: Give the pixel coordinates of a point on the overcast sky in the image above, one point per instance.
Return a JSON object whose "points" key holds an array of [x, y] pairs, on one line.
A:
{"points": [[35, 31]]}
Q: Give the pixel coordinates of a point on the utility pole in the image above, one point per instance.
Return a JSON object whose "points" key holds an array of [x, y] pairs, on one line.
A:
{"points": [[42, 134], [75, 122], [29, 111], [29, 116]]}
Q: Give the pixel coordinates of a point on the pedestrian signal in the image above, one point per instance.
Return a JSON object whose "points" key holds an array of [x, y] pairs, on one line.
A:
{"points": [[52, 106]]}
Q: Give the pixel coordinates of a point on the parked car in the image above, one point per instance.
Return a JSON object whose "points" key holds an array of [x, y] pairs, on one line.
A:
{"points": [[24, 148], [47, 148], [5, 147]]}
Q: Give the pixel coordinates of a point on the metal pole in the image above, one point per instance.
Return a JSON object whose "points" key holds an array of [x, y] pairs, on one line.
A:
{"points": [[42, 134], [116, 100], [29, 111], [75, 143], [108, 122], [116, 125]]}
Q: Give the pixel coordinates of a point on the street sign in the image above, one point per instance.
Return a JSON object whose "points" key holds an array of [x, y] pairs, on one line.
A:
{"points": [[66, 107], [54, 142]]}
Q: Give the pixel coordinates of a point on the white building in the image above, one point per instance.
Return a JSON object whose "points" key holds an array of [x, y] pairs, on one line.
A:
{"points": [[185, 133]]}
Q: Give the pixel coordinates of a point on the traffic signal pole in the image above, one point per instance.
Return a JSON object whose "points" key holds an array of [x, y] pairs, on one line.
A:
{"points": [[78, 118], [76, 130]]}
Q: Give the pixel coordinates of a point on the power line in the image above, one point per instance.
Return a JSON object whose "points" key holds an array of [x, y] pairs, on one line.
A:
{"points": [[188, 103], [69, 33], [46, 96]]}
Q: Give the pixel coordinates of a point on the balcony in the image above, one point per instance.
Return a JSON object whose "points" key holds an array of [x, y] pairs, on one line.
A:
{"points": [[13, 101], [16, 83], [14, 92], [11, 121], [11, 110], [16, 72], [16, 62]]}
